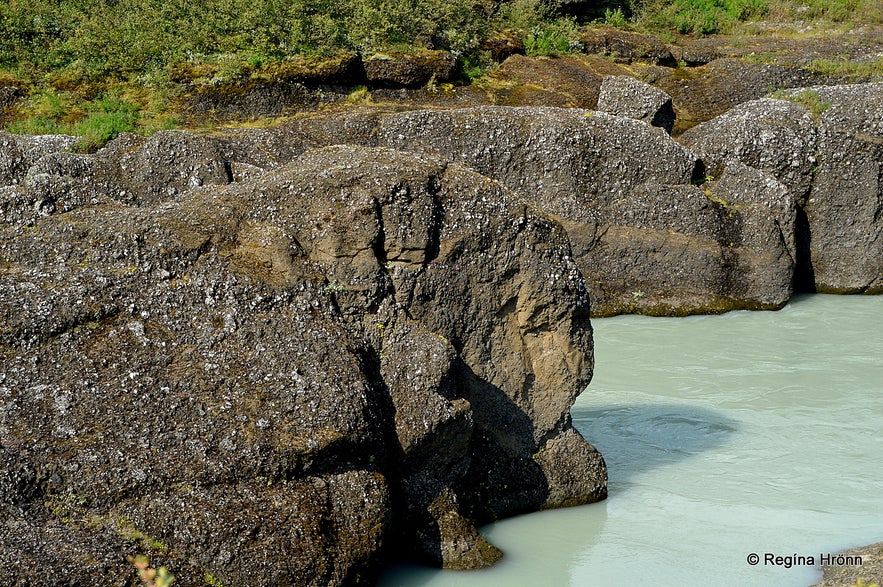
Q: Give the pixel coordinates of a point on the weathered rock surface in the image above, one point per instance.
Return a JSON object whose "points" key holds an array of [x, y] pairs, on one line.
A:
{"points": [[623, 95], [409, 70], [830, 166], [570, 81], [626, 46], [273, 381], [775, 136], [593, 171], [702, 93], [677, 249], [634, 228], [845, 207]]}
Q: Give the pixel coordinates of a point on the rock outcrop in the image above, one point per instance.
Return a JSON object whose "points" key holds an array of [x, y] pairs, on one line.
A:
{"points": [[284, 379], [410, 70], [623, 95], [655, 228], [643, 235], [823, 144], [845, 206]]}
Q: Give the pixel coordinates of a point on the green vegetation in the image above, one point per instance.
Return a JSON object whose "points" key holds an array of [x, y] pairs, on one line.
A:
{"points": [[809, 99], [149, 576], [844, 67], [702, 17], [95, 68]]}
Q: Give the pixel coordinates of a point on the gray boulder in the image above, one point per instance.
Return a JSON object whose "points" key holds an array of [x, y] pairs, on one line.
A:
{"points": [[19, 152], [623, 95], [569, 162], [644, 237], [679, 249], [274, 381], [47, 178], [823, 144], [776, 136], [845, 207], [401, 70]]}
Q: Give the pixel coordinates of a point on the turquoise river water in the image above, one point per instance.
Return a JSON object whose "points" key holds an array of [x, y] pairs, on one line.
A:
{"points": [[750, 432]]}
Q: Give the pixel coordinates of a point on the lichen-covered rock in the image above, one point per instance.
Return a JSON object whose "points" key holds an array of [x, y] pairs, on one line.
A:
{"points": [[19, 152], [623, 95], [567, 81], [845, 207], [702, 93], [643, 236], [830, 167], [129, 169], [845, 570], [625, 46], [673, 250], [169, 163], [271, 382], [571, 163], [776, 136]]}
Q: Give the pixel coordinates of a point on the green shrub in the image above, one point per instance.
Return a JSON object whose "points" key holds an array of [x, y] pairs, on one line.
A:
{"points": [[702, 17], [809, 99], [103, 118], [615, 18], [544, 32], [550, 40]]}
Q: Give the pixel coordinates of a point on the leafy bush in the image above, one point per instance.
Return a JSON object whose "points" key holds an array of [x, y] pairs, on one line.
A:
{"points": [[702, 17], [100, 37], [544, 32], [95, 123]]}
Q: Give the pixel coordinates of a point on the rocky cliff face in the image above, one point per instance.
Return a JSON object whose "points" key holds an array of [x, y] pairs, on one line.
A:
{"points": [[281, 380], [268, 357]]}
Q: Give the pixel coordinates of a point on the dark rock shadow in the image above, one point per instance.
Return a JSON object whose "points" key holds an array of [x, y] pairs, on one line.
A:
{"points": [[804, 274], [638, 438]]}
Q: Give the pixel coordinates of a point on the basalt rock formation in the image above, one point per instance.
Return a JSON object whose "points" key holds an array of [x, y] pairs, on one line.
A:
{"points": [[277, 356], [280, 380], [825, 146], [655, 227]]}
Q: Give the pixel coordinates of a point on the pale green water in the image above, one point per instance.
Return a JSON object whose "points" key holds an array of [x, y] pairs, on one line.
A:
{"points": [[751, 432]]}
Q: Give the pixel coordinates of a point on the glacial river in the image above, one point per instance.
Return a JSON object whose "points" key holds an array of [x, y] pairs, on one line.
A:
{"points": [[725, 436]]}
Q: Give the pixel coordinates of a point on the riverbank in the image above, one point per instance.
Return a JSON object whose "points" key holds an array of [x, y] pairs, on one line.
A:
{"points": [[869, 572]]}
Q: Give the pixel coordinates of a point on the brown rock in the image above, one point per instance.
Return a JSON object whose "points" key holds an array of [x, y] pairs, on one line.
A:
{"points": [[403, 70], [625, 46]]}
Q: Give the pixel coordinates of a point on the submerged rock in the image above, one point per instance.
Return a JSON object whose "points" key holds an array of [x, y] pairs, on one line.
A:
{"points": [[283, 380]]}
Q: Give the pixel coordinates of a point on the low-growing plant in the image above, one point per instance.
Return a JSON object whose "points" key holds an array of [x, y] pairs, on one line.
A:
{"points": [[615, 18], [95, 122], [149, 576], [868, 11], [867, 67], [809, 99]]}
